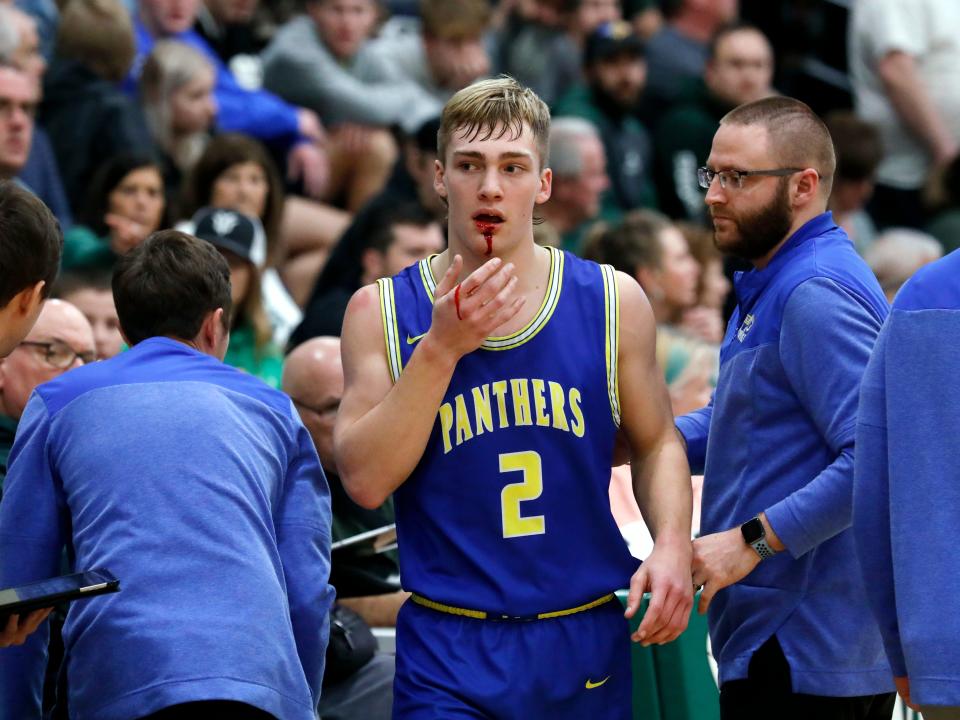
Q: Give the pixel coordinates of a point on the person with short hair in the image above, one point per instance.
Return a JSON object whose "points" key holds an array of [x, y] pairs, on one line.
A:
{"points": [[905, 500], [776, 444], [215, 518], [89, 290], [897, 254], [485, 388]]}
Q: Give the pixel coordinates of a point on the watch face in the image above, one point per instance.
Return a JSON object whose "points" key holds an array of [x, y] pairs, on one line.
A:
{"points": [[752, 531]]}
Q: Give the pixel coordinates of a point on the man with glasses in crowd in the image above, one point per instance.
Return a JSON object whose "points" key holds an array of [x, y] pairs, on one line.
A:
{"points": [[61, 340], [776, 444]]}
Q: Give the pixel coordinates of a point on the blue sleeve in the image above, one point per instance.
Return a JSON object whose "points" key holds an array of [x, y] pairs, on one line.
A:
{"points": [[826, 336], [32, 530], [303, 539], [871, 504], [695, 428]]}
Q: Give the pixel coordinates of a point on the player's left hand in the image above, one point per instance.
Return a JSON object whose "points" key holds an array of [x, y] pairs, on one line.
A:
{"points": [[666, 576], [719, 560]]}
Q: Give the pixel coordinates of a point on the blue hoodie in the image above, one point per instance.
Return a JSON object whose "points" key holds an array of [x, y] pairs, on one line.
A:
{"points": [[200, 489], [778, 437], [907, 482]]}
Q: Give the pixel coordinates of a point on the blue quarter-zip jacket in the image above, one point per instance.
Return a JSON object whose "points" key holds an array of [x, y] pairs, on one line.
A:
{"points": [[907, 482], [778, 437]]}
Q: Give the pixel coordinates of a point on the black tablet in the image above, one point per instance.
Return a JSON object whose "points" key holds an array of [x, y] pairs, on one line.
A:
{"points": [[46, 593]]}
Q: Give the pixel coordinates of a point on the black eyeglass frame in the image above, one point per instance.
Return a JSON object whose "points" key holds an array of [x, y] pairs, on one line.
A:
{"points": [[706, 175], [86, 357]]}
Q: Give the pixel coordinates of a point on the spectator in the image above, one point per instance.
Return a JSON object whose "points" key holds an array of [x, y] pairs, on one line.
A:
{"points": [[126, 202], [859, 152], [88, 118], [257, 113], [241, 240], [897, 254], [543, 42], [385, 238], [89, 291], [739, 70], [903, 60], [706, 319], [678, 53], [616, 73], [177, 87], [61, 340], [20, 42], [322, 61], [445, 53], [369, 584], [904, 499], [579, 165], [231, 29], [235, 553], [19, 96], [236, 172]]}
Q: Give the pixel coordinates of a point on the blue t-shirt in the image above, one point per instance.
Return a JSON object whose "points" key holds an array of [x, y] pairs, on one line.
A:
{"points": [[508, 510], [778, 437], [200, 489], [907, 482]]}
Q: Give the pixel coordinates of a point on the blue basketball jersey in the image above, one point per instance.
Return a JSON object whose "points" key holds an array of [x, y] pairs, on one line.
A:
{"points": [[508, 510]]}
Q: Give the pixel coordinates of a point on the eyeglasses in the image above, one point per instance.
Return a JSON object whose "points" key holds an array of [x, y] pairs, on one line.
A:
{"points": [[734, 178], [60, 355]]}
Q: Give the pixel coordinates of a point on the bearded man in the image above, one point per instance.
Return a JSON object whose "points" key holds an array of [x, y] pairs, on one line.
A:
{"points": [[776, 557]]}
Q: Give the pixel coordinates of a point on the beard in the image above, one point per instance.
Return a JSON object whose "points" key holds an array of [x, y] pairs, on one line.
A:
{"points": [[757, 233]]}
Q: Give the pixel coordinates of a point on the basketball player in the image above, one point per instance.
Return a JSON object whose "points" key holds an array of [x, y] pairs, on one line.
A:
{"points": [[493, 411]]}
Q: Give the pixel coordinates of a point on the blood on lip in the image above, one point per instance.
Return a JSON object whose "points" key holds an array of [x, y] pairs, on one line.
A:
{"points": [[486, 227]]}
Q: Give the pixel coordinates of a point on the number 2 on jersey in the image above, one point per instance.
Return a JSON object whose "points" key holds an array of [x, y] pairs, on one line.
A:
{"points": [[530, 488]]}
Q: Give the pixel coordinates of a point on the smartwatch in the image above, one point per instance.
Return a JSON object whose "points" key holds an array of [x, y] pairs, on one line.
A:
{"points": [[755, 536]]}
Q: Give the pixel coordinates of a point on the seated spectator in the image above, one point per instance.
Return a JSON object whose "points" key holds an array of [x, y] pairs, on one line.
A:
{"points": [[678, 53], [89, 291], [897, 254], [125, 204], [216, 517], [648, 247], [739, 70], [705, 319], [442, 53], [18, 94], [260, 114], [18, 49], [366, 584], [322, 61], [177, 93], [241, 240], [236, 172], [579, 165], [542, 43], [859, 152], [945, 225], [88, 118], [61, 339], [616, 73], [385, 238]]}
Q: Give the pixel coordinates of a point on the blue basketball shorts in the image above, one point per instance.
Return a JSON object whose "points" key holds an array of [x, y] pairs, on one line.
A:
{"points": [[576, 666]]}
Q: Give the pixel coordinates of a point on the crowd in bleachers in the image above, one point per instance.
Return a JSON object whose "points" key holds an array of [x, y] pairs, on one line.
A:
{"points": [[299, 138]]}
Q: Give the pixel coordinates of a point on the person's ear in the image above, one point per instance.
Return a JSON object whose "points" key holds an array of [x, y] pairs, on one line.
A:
{"points": [[438, 185], [30, 297], [546, 186], [806, 188]]}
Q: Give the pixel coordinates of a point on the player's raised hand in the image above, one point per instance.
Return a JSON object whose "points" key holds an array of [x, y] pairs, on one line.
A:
{"points": [[466, 313], [666, 576]]}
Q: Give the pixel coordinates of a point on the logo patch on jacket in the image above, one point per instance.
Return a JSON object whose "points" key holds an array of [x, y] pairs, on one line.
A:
{"points": [[745, 327]]}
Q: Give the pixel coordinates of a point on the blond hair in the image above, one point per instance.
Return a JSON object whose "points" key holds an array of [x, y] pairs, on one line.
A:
{"points": [[495, 106]]}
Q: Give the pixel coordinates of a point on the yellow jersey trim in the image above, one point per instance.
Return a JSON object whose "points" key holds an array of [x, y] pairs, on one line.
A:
{"points": [[483, 615], [611, 294], [391, 333], [550, 300]]}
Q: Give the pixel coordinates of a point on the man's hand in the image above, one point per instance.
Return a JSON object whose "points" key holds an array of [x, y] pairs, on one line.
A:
{"points": [[719, 560], [903, 690], [465, 314], [125, 234], [17, 630], [310, 162], [665, 575]]}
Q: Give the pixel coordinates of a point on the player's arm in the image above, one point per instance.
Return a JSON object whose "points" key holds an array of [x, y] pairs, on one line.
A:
{"points": [[661, 476], [382, 427]]}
